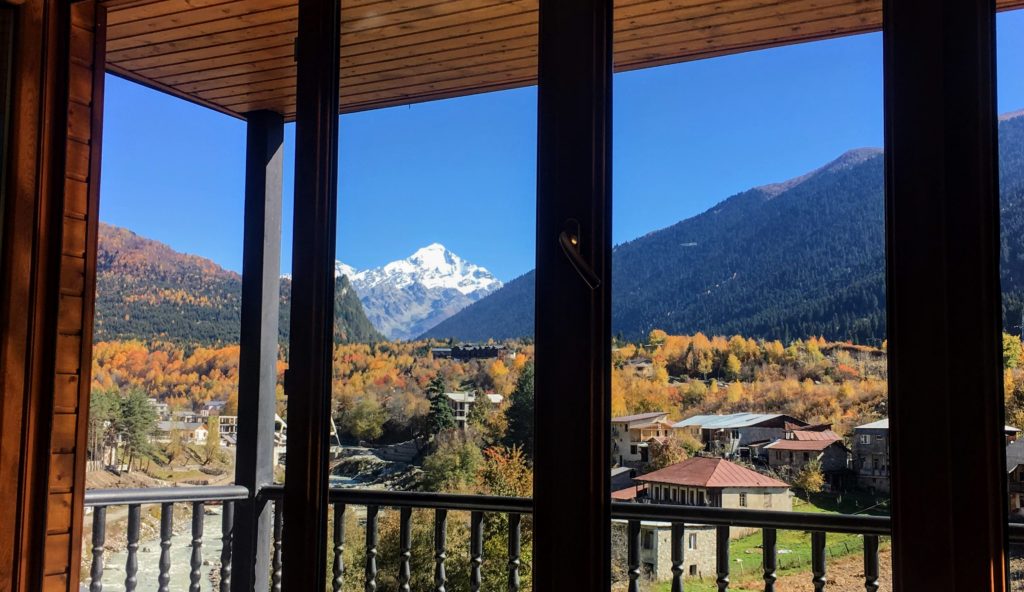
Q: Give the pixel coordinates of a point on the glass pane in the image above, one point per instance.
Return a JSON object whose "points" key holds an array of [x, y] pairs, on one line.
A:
{"points": [[1010, 96], [749, 308], [163, 409], [433, 381]]}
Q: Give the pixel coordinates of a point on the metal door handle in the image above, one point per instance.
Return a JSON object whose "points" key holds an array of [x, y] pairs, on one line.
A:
{"points": [[570, 246]]}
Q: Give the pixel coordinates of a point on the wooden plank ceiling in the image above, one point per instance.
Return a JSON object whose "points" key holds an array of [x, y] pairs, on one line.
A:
{"points": [[238, 55]]}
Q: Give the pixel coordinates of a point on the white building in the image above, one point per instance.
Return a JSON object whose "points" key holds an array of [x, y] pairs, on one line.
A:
{"points": [[461, 403]]}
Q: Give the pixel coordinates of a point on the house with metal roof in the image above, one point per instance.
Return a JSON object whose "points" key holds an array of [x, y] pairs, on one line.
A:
{"points": [[731, 435]]}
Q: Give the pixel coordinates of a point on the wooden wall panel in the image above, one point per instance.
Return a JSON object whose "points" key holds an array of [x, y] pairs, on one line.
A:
{"points": [[29, 286], [72, 379], [237, 55]]}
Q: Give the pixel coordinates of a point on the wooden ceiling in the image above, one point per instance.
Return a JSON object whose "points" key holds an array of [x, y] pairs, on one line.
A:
{"points": [[238, 55]]}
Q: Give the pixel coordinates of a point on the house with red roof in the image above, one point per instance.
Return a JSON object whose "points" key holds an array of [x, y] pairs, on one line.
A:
{"points": [[716, 482], [794, 453], [700, 481]]}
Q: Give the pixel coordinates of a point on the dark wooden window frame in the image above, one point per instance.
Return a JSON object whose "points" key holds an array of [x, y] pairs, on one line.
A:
{"points": [[942, 282], [943, 296]]}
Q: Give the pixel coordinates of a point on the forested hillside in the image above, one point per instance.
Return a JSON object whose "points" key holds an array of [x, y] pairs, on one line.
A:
{"points": [[145, 290], [804, 257]]}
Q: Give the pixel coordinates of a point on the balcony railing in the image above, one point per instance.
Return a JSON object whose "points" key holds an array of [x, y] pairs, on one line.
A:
{"points": [[680, 518], [166, 497]]}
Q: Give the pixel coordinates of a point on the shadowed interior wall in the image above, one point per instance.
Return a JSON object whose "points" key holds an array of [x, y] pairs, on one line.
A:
{"points": [[48, 270]]}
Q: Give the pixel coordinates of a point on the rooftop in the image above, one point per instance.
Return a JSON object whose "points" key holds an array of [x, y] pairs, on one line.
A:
{"points": [[710, 472], [166, 426], [1014, 455], [627, 494], [803, 445], [732, 421], [470, 397], [806, 436], [646, 418], [882, 424]]}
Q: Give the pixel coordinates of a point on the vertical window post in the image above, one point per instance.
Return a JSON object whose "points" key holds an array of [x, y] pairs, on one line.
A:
{"points": [[308, 385], [573, 314], [944, 308], [257, 364]]}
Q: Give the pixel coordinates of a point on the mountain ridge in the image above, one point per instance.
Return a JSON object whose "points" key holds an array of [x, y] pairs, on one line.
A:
{"points": [[406, 297], [148, 291], [781, 261]]}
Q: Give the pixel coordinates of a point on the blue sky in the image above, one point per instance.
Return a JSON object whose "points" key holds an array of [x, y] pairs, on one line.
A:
{"points": [[462, 172]]}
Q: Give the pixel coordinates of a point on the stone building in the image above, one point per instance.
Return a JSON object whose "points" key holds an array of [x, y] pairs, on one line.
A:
{"points": [[698, 481], [871, 455], [656, 549]]}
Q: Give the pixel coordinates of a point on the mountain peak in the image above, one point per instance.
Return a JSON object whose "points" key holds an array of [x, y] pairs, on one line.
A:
{"points": [[406, 297], [1011, 115], [846, 160], [434, 256], [341, 269]]}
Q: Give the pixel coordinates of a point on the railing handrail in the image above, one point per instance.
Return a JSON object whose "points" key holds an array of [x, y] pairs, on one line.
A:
{"points": [[158, 495], [713, 516], [417, 499]]}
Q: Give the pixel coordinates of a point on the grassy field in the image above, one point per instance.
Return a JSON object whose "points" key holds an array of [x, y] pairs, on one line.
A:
{"points": [[794, 547]]}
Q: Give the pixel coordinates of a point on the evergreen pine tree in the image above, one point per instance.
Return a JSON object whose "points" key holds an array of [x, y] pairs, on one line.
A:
{"points": [[440, 417], [520, 413]]}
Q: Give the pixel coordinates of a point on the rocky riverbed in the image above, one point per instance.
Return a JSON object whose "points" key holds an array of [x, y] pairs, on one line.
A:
{"points": [[364, 467]]}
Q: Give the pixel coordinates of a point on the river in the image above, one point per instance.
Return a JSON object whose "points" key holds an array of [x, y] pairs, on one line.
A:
{"points": [[181, 558], [181, 555]]}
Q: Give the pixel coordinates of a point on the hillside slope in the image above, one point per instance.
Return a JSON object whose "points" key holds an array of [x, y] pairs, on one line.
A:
{"points": [[145, 290], [803, 257]]}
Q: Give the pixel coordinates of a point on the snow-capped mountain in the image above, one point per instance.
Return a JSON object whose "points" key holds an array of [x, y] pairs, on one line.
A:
{"points": [[407, 297]]}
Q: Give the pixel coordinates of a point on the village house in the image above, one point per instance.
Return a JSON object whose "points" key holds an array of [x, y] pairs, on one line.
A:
{"points": [[641, 367], [622, 478], [656, 549], [632, 434], [228, 425], [715, 482], [187, 417], [732, 435], [871, 455], [161, 408], [191, 432], [801, 447], [1015, 479], [213, 408], [461, 403], [699, 481]]}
